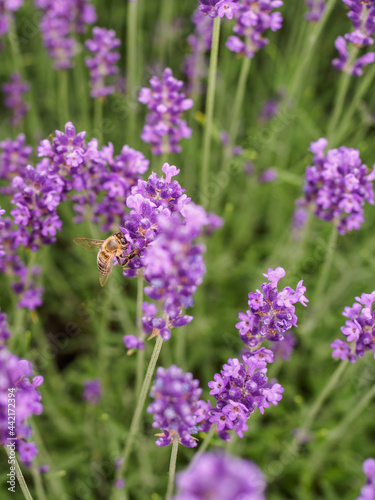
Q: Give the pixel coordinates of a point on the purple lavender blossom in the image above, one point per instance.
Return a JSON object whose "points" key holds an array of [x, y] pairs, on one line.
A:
{"points": [[92, 391], [27, 451], [132, 342], [337, 186], [195, 65], [60, 23], [176, 396], [299, 220], [271, 312], [149, 199], [368, 491], [14, 157], [219, 8], [362, 15], [25, 286], [316, 10], [15, 374], [7, 9], [102, 64], [241, 388], [221, 477], [252, 19], [175, 268], [4, 330], [164, 128], [358, 329], [269, 175], [283, 350], [14, 90]]}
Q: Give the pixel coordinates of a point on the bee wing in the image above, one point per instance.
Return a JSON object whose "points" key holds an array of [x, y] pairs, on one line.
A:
{"points": [[88, 243], [105, 272]]}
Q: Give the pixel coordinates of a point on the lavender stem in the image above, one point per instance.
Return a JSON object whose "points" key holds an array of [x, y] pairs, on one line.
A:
{"points": [[172, 469], [210, 100], [21, 479]]}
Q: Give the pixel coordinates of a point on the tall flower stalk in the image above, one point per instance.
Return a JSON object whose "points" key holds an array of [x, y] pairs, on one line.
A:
{"points": [[210, 101]]}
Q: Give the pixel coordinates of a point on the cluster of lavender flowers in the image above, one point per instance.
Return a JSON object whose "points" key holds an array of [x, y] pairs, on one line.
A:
{"points": [[195, 66], [242, 386], [368, 491], [92, 392], [14, 157], [17, 386], [239, 389], [337, 186], [221, 8], [362, 16], [164, 127], [252, 19], [60, 23], [176, 395], [270, 313], [14, 90], [97, 182], [358, 329], [174, 268], [102, 64], [222, 477], [7, 9], [316, 10]]}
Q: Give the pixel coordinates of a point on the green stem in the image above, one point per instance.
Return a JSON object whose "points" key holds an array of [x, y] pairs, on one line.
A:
{"points": [[139, 408], [19, 475], [98, 118], [361, 89], [63, 101], [207, 440], [41, 494], [238, 101], [172, 469], [298, 83], [324, 275], [141, 352], [332, 382], [210, 100], [131, 67], [336, 434], [164, 26]]}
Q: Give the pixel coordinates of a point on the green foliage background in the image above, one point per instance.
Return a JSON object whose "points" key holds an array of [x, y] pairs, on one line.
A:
{"points": [[77, 333]]}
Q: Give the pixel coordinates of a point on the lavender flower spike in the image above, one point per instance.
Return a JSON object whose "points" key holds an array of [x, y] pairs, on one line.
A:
{"points": [[102, 64], [368, 491], [164, 128], [176, 396], [253, 18], [14, 91], [15, 374], [270, 313], [219, 8], [221, 477], [358, 329], [337, 186], [239, 389]]}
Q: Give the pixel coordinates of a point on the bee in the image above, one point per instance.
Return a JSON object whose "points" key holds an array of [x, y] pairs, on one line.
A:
{"points": [[113, 247]]}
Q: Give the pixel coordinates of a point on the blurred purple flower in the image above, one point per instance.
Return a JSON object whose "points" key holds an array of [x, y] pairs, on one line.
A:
{"points": [[92, 391], [176, 395], [284, 349], [14, 90], [368, 491], [102, 64], [316, 10], [133, 342], [220, 477], [253, 17]]}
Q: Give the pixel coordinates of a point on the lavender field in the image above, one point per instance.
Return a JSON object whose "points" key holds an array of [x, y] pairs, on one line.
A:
{"points": [[187, 250]]}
